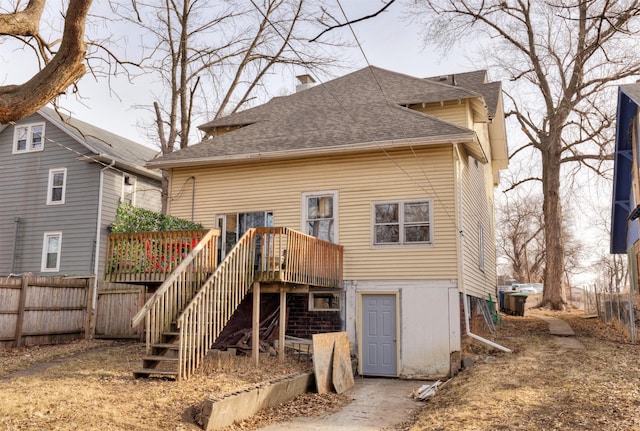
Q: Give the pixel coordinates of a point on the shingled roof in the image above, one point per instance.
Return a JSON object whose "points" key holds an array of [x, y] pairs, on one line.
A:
{"points": [[364, 109], [104, 145]]}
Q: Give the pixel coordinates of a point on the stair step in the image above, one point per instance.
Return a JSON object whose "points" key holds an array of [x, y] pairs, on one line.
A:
{"points": [[172, 333], [159, 358], [146, 372], [170, 346]]}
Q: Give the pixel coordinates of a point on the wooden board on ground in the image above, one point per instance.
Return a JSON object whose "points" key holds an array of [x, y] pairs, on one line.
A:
{"points": [[342, 375], [323, 360]]}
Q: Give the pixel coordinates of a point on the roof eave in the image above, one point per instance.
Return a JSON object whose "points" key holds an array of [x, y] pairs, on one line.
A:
{"points": [[468, 139], [136, 169]]}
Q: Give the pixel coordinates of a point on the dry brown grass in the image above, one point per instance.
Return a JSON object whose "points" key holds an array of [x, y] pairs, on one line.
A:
{"points": [[89, 385], [542, 385]]}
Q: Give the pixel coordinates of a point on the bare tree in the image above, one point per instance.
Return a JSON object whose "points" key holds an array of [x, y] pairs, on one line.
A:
{"points": [[560, 57], [520, 231], [612, 272], [63, 65], [521, 237], [212, 57]]}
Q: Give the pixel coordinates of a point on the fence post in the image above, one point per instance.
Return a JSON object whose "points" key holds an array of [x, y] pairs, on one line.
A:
{"points": [[21, 305], [89, 318]]}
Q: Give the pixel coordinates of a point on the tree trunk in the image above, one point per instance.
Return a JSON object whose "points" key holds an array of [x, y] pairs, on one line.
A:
{"points": [[553, 296]]}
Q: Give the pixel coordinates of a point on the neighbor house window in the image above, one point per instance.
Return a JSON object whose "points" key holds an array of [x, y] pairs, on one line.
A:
{"points": [[402, 222], [319, 215], [29, 137], [129, 189], [51, 251], [324, 301], [57, 186]]}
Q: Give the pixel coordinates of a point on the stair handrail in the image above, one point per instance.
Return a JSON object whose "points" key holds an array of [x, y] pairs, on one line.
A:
{"points": [[176, 291], [202, 320]]}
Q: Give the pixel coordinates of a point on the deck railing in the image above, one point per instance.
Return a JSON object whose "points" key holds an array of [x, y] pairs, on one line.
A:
{"points": [[285, 255], [148, 256], [262, 254], [178, 289]]}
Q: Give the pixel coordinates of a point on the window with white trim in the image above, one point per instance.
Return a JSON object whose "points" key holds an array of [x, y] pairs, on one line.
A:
{"points": [[57, 186], [129, 189], [325, 301], [51, 251], [28, 137], [403, 222], [319, 215]]}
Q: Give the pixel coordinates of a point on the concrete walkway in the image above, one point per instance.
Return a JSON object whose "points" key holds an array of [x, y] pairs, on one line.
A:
{"points": [[377, 403], [562, 333]]}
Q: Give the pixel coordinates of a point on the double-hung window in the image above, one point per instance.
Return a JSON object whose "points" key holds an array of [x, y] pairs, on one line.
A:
{"points": [[28, 137], [320, 218], [404, 222], [57, 186], [51, 247]]}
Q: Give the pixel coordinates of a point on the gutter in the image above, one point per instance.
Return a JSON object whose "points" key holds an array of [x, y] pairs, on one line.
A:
{"points": [[470, 137], [461, 251], [96, 263]]}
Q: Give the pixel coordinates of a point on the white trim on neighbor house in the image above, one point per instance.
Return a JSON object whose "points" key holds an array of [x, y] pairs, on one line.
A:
{"points": [[51, 248], [56, 185], [325, 215], [28, 137], [129, 185], [401, 221]]}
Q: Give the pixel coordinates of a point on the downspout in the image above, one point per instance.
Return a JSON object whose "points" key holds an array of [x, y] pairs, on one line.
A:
{"points": [[96, 263], [16, 220], [461, 258]]}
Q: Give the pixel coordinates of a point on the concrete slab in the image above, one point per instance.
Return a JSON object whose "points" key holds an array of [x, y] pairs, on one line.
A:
{"points": [[378, 403], [568, 343], [217, 414], [557, 327]]}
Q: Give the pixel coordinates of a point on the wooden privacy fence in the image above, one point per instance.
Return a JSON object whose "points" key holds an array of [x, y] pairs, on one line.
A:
{"points": [[43, 310], [116, 304]]}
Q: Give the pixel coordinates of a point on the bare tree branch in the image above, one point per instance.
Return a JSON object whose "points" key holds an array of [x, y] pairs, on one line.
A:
{"points": [[343, 24]]}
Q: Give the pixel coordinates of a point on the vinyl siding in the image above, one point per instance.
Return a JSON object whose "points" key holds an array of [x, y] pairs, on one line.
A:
{"points": [[452, 112], [24, 179], [478, 210], [359, 179]]}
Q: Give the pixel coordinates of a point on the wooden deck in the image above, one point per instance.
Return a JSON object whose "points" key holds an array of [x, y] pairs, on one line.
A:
{"points": [[195, 301], [282, 256]]}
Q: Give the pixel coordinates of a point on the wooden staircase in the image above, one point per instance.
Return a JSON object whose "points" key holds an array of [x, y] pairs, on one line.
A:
{"points": [[163, 359], [189, 310]]}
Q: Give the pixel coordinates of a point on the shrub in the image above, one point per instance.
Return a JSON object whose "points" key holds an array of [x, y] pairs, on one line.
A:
{"points": [[132, 219]]}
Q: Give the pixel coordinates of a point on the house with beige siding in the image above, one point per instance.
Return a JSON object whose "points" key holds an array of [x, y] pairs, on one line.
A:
{"points": [[398, 170]]}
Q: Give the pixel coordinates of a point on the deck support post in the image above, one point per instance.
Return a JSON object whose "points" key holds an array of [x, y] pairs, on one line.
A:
{"points": [[283, 324], [255, 326]]}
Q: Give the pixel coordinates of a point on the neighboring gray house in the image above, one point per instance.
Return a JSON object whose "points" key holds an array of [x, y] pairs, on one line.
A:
{"points": [[61, 181]]}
